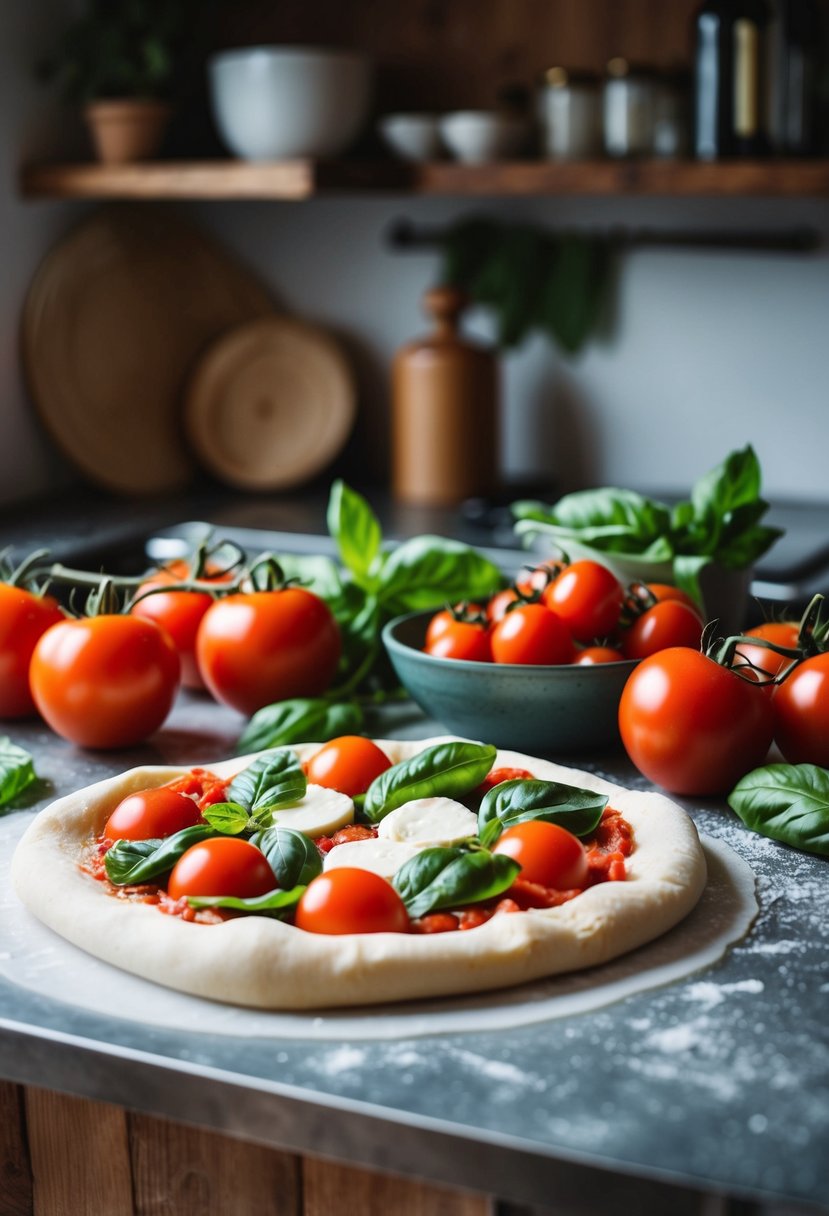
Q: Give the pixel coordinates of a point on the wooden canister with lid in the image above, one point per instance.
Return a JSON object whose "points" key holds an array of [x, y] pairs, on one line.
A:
{"points": [[444, 411]]}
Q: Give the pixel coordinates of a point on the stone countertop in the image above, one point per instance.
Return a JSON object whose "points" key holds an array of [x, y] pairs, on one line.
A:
{"points": [[718, 1082]]}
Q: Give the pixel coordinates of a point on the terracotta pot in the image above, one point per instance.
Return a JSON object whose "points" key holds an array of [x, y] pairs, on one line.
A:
{"points": [[128, 130]]}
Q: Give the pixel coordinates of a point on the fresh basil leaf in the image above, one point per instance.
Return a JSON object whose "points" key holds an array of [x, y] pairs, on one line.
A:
{"points": [[274, 779], [428, 571], [298, 720], [453, 877], [276, 904], [731, 484], [511, 802], [293, 856], [129, 862], [788, 802], [443, 770], [228, 818], [356, 530], [639, 516], [743, 550], [17, 771]]}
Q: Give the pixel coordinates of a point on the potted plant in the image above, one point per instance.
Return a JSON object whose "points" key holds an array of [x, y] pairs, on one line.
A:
{"points": [[118, 60]]}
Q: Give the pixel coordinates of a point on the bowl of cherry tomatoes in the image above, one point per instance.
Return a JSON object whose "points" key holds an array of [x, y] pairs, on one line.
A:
{"points": [[541, 666]]}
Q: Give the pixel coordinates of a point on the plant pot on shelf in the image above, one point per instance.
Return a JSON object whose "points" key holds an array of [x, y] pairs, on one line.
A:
{"points": [[127, 130]]}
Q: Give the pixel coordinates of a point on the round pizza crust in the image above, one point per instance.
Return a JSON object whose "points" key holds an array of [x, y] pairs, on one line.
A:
{"points": [[266, 964]]}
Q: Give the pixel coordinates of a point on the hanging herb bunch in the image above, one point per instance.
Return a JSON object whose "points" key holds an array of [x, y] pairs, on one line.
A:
{"points": [[530, 278]]}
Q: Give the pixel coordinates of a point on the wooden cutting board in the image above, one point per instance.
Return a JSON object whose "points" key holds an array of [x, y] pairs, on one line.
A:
{"points": [[270, 404], [113, 320]]}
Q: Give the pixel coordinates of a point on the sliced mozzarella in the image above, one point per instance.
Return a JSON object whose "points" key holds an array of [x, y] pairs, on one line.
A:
{"points": [[431, 821], [383, 857], [320, 813]]}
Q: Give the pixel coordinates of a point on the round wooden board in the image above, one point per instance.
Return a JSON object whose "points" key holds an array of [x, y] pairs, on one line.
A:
{"points": [[112, 322], [270, 404]]}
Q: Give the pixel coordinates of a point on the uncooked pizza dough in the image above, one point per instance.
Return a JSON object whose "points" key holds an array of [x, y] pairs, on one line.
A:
{"points": [[265, 963]]}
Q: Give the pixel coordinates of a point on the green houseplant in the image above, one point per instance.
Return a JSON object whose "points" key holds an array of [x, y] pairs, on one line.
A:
{"points": [[118, 60]]}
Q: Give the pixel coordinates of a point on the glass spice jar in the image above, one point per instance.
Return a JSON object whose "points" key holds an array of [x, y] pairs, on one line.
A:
{"points": [[569, 115], [629, 97]]}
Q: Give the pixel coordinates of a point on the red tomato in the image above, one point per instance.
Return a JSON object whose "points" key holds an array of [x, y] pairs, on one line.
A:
{"points": [[104, 681], [348, 900], [801, 712], [257, 648], [539, 578], [667, 623], [223, 865], [24, 618], [150, 814], [598, 654], [348, 764], [693, 726], [461, 640], [531, 634], [179, 612], [496, 609], [782, 633], [548, 854], [667, 591], [588, 598]]}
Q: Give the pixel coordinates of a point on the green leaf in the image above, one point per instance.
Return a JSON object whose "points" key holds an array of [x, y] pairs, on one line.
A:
{"points": [[356, 529], [229, 818], [17, 771], [130, 862], [272, 780], [687, 569], [574, 290], [453, 877], [511, 802], [293, 856], [299, 720], [429, 571], [277, 904], [444, 770], [788, 802]]}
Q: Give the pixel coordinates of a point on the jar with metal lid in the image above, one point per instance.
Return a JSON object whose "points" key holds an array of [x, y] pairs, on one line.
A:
{"points": [[569, 115], [628, 109]]}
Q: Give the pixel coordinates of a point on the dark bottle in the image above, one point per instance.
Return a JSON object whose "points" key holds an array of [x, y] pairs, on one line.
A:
{"points": [[749, 78], [793, 50], [714, 79]]}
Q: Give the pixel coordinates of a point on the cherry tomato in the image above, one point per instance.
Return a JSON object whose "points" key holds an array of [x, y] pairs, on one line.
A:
{"points": [[497, 607], [348, 900], [24, 618], [782, 633], [150, 814], [667, 623], [588, 597], [348, 764], [539, 578], [104, 681], [531, 634], [461, 640], [547, 853], [223, 865], [264, 646], [598, 654], [693, 726], [667, 591], [179, 612], [801, 712]]}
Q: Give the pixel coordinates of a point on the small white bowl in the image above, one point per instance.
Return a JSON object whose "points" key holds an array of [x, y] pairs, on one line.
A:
{"points": [[274, 103], [476, 137], [412, 136]]}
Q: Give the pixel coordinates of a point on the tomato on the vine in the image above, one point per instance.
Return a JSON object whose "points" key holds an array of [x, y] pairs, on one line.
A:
{"points": [[179, 612], [531, 634], [24, 618], [588, 597], [263, 646], [801, 712], [780, 633], [348, 900], [450, 637], [104, 681], [151, 814], [692, 725], [668, 623], [222, 865], [547, 853], [348, 764]]}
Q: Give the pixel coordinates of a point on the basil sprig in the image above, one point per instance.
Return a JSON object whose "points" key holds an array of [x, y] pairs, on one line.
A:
{"points": [[788, 802], [445, 770], [293, 856], [297, 720], [511, 802], [17, 771], [129, 862], [453, 877], [277, 904], [273, 780]]}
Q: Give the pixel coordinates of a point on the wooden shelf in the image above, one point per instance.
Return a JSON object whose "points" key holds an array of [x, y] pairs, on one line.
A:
{"points": [[302, 179]]}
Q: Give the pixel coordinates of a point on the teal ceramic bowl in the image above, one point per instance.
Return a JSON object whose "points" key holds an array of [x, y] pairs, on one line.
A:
{"points": [[546, 710]]}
